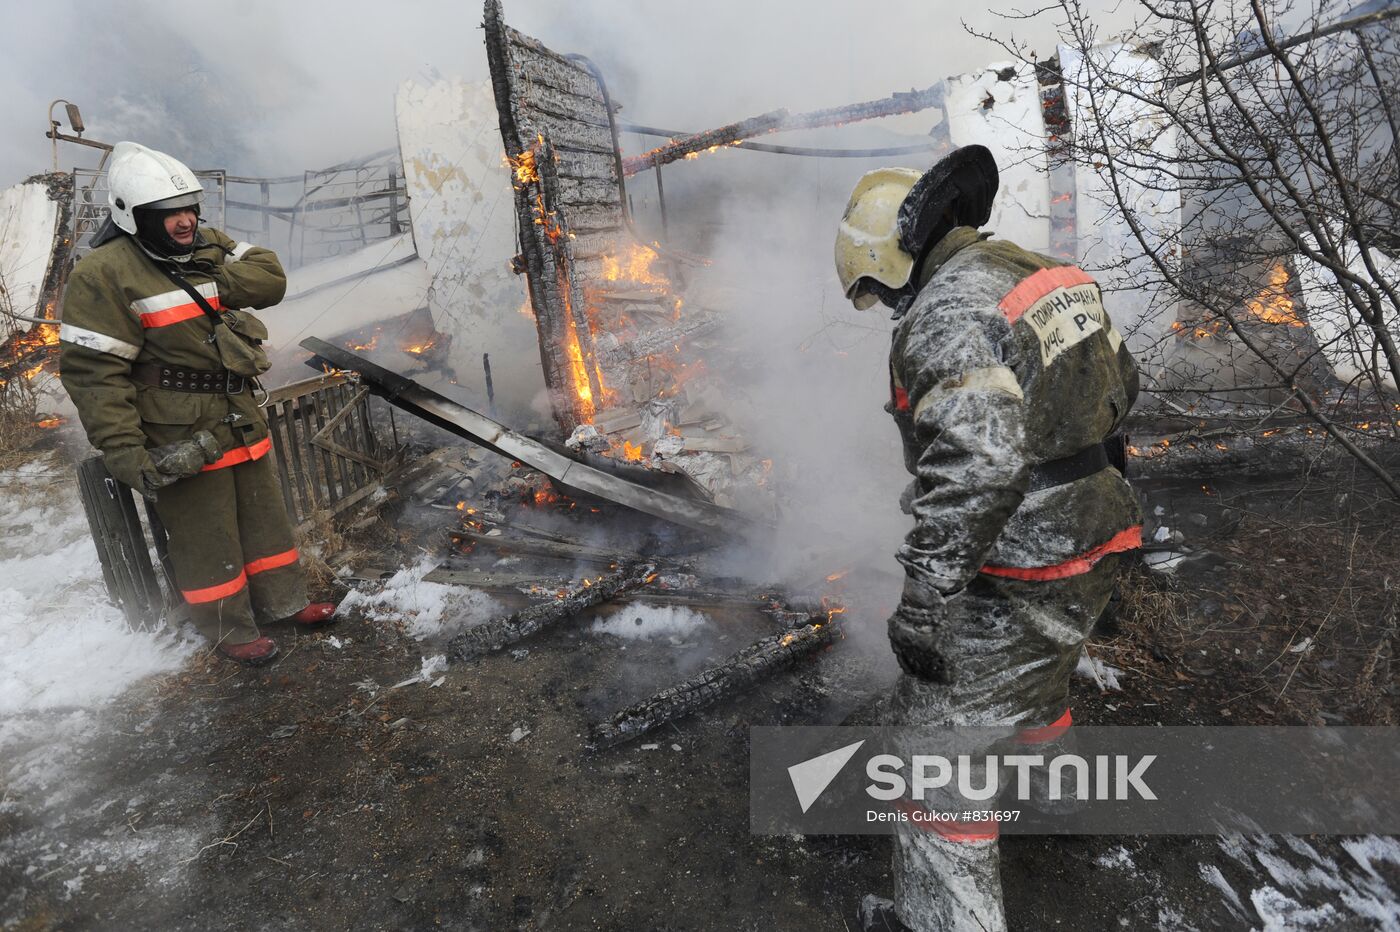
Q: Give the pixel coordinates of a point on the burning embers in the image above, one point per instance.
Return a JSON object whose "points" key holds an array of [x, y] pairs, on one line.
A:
{"points": [[633, 266], [25, 355], [412, 334], [1274, 304]]}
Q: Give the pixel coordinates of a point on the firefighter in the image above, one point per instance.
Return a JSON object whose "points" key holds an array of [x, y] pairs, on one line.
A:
{"points": [[1006, 378], [161, 359]]}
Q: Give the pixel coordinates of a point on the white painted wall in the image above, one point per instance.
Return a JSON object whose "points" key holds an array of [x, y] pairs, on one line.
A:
{"points": [[462, 205], [27, 219], [1013, 130]]}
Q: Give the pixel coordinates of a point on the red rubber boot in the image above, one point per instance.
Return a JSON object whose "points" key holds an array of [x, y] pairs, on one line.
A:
{"points": [[315, 615], [253, 654]]}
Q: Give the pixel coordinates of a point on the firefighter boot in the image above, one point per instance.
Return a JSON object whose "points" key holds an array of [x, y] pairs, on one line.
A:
{"points": [[315, 615], [253, 654]]}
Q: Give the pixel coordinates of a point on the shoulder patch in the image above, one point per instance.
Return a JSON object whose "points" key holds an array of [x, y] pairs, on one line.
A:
{"points": [[1062, 305]]}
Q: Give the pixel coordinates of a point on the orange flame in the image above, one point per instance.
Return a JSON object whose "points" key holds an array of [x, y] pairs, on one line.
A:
{"points": [[633, 265], [1273, 305]]}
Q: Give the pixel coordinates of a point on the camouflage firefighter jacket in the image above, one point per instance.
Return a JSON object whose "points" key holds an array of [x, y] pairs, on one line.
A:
{"points": [[119, 309], [1006, 360]]}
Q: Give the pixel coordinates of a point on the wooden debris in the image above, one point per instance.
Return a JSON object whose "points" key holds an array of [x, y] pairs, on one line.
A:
{"points": [[501, 632], [738, 673], [779, 120]]}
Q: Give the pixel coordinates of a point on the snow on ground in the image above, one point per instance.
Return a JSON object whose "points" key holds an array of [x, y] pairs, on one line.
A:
{"points": [[1092, 668], [643, 621], [1295, 886], [68, 653], [429, 610], [66, 646]]}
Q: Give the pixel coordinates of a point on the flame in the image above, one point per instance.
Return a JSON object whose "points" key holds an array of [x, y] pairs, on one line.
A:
{"points": [[634, 265], [50, 422], [835, 576], [1200, 331], [365, 347], [831, 608], [524, 168], [578, 370], [715, 148], [546, 496], [419, 349], [526, 310], [1273, 305], [632, 452]]}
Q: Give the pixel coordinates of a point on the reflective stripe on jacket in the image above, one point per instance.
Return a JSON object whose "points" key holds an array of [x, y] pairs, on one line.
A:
{"points": [[119, 309]]}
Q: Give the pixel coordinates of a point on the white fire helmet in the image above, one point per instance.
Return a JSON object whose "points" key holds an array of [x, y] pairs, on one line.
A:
{"points": [[867, 244], [141, 177]]}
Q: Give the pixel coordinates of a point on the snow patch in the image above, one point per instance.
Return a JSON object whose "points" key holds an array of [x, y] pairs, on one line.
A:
{"points": [[643, 621], [1337, 890], [1280, 913], [1212, 875], [1091, 668], [66, 646], [428, 609], [1119, 858]]}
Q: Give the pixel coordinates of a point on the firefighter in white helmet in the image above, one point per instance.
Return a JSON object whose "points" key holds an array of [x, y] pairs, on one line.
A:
{"points": [[161, 359], [1006, 377]]}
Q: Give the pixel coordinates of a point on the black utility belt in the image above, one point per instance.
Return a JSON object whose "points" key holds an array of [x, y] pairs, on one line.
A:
{"points": [[1067, 469], [185, 379]]}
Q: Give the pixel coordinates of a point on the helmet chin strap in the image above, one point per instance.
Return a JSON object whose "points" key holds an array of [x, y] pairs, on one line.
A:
{"points": [[897, 299], [901, 307]]}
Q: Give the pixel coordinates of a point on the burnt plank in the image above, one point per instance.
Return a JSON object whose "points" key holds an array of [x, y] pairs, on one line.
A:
{"points": [[574, 191]]}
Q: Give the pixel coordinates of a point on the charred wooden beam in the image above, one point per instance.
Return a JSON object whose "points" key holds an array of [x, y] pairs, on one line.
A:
{"points": [[537, 220], [607, 480], [500, 632], [709, 139], [778, 120], [741, 672], [1228, 453]]}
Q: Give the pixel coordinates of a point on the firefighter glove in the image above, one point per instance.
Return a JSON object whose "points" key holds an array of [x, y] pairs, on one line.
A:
{"points": [[185, 458], [917, 634]]}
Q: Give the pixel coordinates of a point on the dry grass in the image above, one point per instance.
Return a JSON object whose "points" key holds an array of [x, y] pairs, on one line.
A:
{"points": [[19, 410], [1297, 624]]}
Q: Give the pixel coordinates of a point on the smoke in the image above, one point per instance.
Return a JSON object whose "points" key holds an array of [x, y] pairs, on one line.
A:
{"points": [[263, 88]]}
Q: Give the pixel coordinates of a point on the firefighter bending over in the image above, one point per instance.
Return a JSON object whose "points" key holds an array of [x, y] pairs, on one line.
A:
{"points": [[1006, 377], [161, 361]]}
